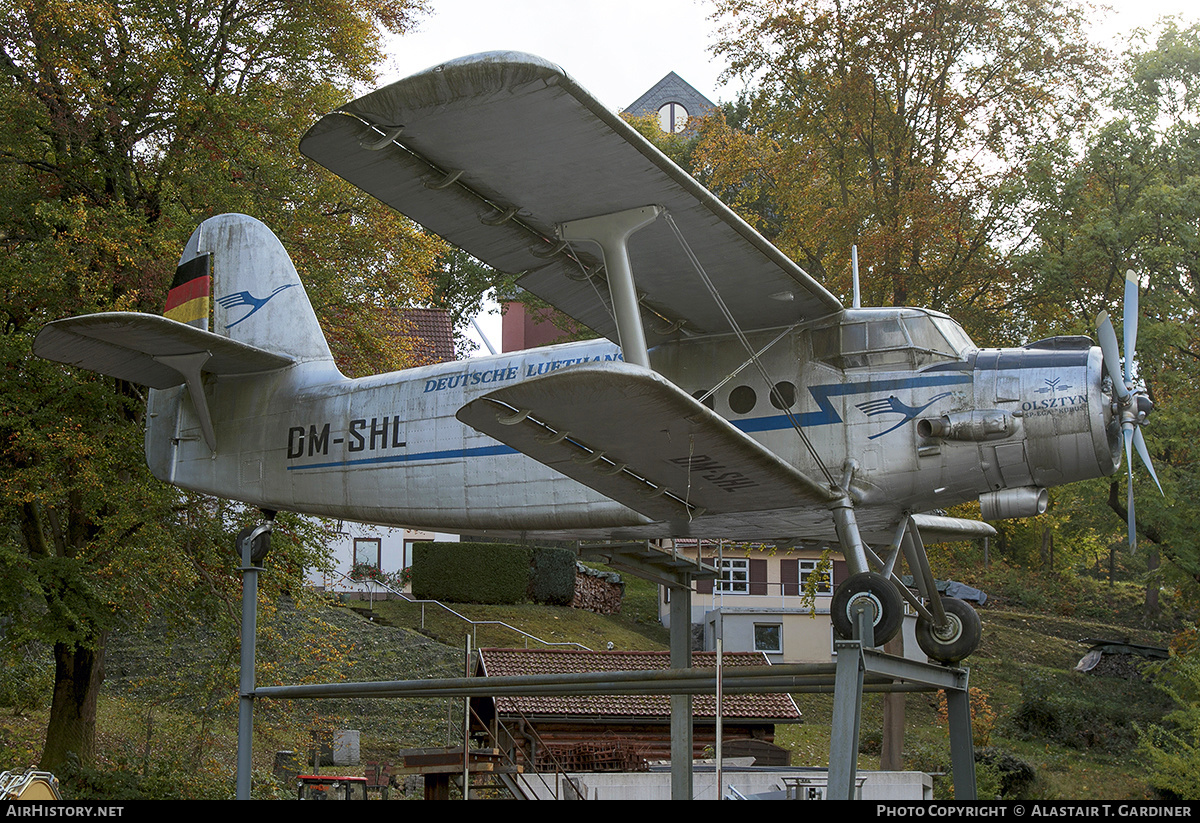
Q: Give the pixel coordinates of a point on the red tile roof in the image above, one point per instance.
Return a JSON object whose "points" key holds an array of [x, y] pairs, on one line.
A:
{"points": [[432, 335], [774, 708]]}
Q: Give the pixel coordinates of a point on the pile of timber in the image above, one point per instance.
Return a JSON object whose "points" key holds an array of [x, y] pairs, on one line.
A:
{"points": [[597, 591], [607, 756]]}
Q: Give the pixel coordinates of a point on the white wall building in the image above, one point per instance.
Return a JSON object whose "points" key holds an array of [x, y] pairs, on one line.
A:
{"points": [[388, 549]]}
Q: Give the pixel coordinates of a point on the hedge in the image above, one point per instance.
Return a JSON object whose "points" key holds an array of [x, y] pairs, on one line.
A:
{"points": [[492, 573]]}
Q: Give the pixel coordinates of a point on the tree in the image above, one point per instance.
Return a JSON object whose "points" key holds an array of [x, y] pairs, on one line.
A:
{"points": [[1132, 201], [462, 285], [902, 127], [129, 121]]}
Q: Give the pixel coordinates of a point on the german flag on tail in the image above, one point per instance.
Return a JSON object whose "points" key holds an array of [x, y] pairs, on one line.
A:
{"points": [[189, 299]]}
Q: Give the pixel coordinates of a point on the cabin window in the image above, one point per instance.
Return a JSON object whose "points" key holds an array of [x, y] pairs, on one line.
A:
{"points": [[704, 397], [907, 338], [783, 395], [768, 637], [742, 400], [954, 334]]}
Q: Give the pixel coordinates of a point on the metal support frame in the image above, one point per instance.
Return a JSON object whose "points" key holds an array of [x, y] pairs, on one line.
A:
{"points": [[246, 690], [859, 668], [681, 704], [847, 706]]}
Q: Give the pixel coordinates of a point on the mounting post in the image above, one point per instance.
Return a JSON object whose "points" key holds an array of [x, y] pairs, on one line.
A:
{"points": [[847, 705], [252, 545], [681, 704]]}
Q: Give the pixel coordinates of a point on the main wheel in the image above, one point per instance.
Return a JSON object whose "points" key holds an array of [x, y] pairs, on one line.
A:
{"points": [[883, 599], [957, 639]]}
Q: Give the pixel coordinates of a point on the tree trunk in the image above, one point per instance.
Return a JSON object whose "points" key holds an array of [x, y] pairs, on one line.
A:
{"points": [[78, 673], [1152, 608]]}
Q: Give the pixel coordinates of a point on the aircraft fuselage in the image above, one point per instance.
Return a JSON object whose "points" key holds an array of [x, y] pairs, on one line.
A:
{"points": [[916, 422]]}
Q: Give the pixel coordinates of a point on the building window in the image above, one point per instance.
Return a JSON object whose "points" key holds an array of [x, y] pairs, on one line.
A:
{"points": [[768, 637], [368, 551], [735, 576], [808, 568], [672, 117]]}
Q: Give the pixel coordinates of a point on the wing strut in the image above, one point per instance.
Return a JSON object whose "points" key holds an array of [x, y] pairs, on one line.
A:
{"points": [[611, 232], [741, 336]]}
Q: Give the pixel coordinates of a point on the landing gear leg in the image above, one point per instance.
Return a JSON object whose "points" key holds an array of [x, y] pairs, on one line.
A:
{"points": [[863, 585]]}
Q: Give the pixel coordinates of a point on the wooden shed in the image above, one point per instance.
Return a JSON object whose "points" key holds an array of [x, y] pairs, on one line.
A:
{"points": [[615, 732]]}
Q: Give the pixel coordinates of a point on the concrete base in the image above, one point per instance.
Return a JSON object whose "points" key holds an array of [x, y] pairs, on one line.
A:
{"points": [[656, 785]]}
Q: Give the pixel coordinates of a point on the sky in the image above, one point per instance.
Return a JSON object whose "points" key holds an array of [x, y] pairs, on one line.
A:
{"points": [[617, 49]]}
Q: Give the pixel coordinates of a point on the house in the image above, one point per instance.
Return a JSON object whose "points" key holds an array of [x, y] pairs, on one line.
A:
{"points": [[387, 550], [768, 600], [759, 601], [614, 732], [674, 100]]}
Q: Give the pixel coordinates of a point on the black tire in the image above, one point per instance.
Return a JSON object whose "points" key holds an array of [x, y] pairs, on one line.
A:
{"points": [[960, 637], [885, 600], [258, 549]]}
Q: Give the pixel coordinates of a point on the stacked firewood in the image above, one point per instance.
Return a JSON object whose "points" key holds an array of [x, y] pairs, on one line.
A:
{"points": [[597, 591]]}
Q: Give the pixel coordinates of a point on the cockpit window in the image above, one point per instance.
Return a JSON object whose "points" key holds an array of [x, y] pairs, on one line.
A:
{"points": [[954, 334], [901, 338]]}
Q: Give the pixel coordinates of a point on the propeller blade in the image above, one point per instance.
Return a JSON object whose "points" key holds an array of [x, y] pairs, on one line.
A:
{"points": [[1130, 323], [1127, 430], [1139, 443], [1112, 360]]}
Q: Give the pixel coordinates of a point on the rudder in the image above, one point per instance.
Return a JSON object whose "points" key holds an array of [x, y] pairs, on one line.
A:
{"points": [[258, 298]]}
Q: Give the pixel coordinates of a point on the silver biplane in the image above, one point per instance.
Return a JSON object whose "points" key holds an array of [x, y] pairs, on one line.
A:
{"points": [[731, 395]]}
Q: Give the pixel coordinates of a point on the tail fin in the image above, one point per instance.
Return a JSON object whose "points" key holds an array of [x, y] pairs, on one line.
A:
{"points": [[257, 295], [263, 320]]}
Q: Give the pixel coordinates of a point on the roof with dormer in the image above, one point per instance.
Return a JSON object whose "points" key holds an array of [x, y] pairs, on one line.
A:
{"points": [[671, 89]]}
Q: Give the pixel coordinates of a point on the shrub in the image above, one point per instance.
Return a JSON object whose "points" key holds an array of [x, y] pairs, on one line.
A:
{"points": [[1172, 750], [1013, 776], [493, 573], [552, 577], [471, 572]]}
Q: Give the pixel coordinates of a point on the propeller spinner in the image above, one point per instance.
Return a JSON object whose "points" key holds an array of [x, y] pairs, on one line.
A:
{"points": [[1133, 406]]}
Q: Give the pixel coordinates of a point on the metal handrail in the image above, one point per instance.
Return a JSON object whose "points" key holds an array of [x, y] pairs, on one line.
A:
{"points": [[475, 624]]}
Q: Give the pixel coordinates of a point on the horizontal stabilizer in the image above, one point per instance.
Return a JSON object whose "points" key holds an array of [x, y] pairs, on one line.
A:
{"points": [[153, 351], [637, 438], [936, 528], [138, 347]]}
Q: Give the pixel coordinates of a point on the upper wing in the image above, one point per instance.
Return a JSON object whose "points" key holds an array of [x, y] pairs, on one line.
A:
{"points": [[494, 150], [634, 436]]}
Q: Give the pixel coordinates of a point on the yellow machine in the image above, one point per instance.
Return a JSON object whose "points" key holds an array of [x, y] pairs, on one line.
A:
{"points": [[29, 785]]}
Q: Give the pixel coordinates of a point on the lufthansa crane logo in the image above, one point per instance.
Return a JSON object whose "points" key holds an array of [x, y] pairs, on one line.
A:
{"points": [[245, 298], [893, 405]]}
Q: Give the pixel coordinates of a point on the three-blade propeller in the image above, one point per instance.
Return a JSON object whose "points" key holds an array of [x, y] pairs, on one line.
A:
{"points": [[1133, 406]]}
